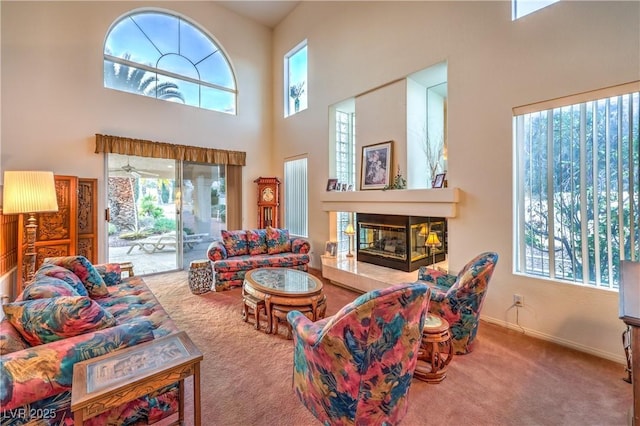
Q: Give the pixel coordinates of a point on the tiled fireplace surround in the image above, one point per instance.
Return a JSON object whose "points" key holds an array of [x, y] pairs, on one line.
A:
{"points": [[363, 276]]}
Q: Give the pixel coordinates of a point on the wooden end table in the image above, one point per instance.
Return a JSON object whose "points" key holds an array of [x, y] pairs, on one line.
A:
{"points": [[113, 379], [436, 350], [127, 267]]}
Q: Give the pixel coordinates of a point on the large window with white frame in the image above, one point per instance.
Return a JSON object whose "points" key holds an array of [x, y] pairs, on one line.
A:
{"points": [[295, 80], [577, 186], [165, 56], [296, 196]]}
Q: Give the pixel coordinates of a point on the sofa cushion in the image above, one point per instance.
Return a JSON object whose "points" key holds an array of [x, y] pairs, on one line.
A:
{"points": [[51, 270], [235, 242], [278, 240], [81, 266], [132, 300], [10, 338], [247, 263], [257, 239], [42, 321], [45, 287]]}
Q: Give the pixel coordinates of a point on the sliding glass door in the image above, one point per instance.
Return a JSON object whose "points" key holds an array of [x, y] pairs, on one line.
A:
{"points": [[163, 213], [143, 219], [203, 208]]}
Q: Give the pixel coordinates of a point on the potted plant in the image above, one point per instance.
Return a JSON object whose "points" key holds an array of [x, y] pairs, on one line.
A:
{"points": [[295, 92]]}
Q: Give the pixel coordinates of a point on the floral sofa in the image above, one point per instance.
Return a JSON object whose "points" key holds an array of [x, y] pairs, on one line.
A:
{"points": [[70, 312], [240, 251]]}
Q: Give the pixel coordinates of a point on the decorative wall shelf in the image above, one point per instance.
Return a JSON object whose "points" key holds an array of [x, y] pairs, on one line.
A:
{"points": [[412, 202]]}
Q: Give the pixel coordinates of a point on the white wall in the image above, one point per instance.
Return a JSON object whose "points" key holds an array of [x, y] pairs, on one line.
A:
{"points": [[54, 100], [381, 116], [494, 64]]}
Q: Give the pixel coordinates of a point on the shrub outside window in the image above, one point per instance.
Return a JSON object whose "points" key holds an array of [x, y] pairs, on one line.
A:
{"points": [[161, 55]]}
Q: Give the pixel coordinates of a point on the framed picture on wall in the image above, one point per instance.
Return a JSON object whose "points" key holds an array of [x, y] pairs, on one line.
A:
{"points": [[438, 181], [376, 165]]}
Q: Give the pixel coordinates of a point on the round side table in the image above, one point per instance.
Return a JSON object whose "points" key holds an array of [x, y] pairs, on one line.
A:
{"points": [[436, 350], [200, 276]]}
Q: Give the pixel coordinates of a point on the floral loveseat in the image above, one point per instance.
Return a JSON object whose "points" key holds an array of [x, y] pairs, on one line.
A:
{"points": [[240, 251], [70, 312]]}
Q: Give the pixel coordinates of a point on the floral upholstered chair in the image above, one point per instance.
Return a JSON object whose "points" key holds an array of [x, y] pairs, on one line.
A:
{"points": [[459, 299], [356, 366]]}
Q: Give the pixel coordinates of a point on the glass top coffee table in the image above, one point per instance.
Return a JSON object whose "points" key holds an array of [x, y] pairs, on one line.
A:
{"points": [[283, 286]]}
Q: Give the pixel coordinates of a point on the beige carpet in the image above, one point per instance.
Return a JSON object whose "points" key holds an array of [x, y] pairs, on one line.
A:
{"points": [[510, 379]]}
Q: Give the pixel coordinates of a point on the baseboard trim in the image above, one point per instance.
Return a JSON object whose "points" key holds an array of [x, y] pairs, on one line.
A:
{"points": [[620, 359]]}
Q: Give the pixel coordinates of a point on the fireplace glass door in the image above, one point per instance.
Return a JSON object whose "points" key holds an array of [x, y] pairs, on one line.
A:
{"points": [[400, 242], [383, 240]]}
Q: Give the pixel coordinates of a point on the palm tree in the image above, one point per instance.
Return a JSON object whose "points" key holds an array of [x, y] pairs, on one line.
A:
{"points": [[135, 80]]}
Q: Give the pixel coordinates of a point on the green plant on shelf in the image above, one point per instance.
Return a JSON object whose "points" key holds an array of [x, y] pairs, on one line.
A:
{"points": [[398, 182]]}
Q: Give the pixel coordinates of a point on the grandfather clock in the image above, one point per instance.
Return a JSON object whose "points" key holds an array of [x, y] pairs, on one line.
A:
{"points": [[268, 201]]}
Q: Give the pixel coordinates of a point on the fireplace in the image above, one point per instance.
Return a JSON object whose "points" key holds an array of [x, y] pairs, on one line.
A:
{"points": [[399, 242]]}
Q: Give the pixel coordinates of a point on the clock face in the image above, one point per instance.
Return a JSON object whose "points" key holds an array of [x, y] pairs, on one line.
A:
{"points": [[267, 194]]}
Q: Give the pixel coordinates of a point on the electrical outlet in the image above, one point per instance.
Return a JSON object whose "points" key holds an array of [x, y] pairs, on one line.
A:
{"points": [[518, 300]]}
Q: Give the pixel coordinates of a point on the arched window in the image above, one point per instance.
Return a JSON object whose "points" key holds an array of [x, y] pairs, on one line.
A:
{"points": [[159, 54]]}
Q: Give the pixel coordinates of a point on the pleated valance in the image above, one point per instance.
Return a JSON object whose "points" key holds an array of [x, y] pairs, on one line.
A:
{"points": [[142, 148]]}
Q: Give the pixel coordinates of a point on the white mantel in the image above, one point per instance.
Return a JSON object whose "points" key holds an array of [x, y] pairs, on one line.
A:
{"points": [[411, 202]]}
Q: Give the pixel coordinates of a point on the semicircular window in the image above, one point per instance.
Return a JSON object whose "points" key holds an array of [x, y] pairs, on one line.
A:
{"points": [[163, 56]]}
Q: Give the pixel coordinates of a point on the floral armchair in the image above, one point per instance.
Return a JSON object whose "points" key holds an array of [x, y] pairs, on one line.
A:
{"points": [[356, 366], [459, 299]]}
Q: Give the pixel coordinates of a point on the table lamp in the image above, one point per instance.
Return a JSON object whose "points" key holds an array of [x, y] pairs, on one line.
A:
{"points": [[350, 232], [29, 192], [432, 241]]}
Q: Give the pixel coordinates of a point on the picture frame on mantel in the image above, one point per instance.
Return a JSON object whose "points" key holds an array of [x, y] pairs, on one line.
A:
{"points": [[331, 249], [438, 181], [376, 165], [332, 184]]}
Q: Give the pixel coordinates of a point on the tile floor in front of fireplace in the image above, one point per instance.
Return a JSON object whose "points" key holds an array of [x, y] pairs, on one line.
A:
{"points": [[362, 276]]}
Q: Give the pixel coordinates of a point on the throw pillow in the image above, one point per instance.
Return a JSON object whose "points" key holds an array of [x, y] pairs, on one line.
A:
{"points": [[42, 321], [45, 287], [51, 270], [111, 273], [278, 240], [235, 242], [257, 239], [10, 339], [89, 276]]}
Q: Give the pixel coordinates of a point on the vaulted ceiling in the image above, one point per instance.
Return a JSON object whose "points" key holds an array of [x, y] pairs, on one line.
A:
{"points": [[266, 12]]}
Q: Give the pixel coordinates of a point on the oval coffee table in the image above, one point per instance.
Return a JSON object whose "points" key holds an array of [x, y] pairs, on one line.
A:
{"points": [[283, 286]]}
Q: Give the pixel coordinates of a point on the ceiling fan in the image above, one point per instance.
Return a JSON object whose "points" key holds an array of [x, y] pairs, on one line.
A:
{"points": [[128, 168]]}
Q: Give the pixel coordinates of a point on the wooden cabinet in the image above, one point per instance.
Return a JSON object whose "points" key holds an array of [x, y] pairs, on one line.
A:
{"points": [[88, 218], [69, 231]]}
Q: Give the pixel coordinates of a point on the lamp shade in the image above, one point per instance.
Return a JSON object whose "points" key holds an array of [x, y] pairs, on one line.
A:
{"points": [[29, 192], [432, 239], [349, 230]]}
